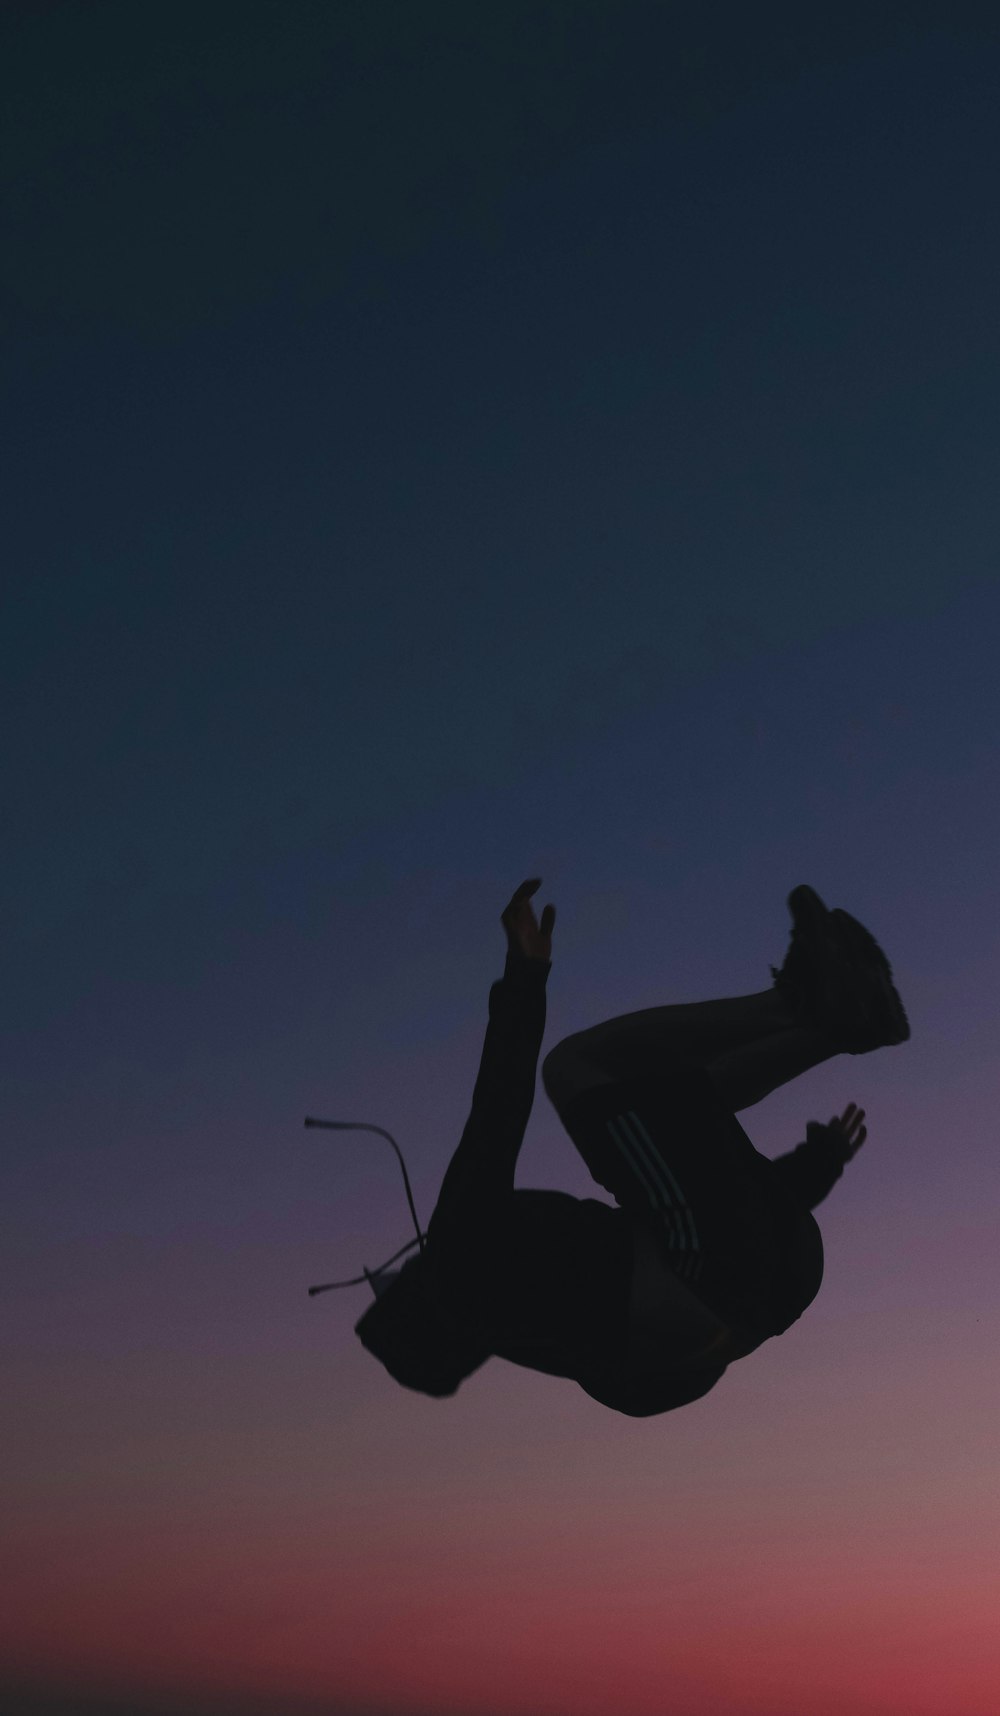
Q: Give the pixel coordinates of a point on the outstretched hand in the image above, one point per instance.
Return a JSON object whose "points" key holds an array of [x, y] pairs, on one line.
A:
{"points": [[525, 937], [848, 1129]]}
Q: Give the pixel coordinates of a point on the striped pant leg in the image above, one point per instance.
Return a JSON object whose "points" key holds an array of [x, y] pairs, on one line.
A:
{"points": [[669, 1150], [648, 1185]]}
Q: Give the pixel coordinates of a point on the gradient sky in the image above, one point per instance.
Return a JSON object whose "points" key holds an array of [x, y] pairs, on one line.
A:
{"points": [[445, 445]]}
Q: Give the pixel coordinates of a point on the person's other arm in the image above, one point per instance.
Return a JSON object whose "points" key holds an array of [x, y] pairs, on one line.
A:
{"points": [[813, 1168]]}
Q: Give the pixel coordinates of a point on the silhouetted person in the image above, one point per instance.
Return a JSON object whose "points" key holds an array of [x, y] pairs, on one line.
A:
{"points": [[712, 1249]]}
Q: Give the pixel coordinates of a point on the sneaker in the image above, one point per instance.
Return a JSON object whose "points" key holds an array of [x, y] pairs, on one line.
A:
{"points": [[837, 979]]}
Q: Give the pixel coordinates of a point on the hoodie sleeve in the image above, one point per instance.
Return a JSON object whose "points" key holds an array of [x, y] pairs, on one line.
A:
{"points": [[813, 1168], [505, 1084]]}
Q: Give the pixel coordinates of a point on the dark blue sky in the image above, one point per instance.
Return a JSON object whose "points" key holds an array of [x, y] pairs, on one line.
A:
{"points": [[447, 444], [389, 384]]}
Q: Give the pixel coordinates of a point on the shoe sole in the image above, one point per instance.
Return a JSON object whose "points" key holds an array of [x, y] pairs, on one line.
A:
{"points": [[840, 977], [889, 1014]]}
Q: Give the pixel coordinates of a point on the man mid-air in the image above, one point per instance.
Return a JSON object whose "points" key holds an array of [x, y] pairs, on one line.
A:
{"points": [[712, 1248]]}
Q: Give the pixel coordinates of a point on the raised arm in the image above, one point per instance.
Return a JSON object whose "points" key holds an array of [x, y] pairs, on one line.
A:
{"points": [[526, 939], [484, 1162], [505, 1085]]}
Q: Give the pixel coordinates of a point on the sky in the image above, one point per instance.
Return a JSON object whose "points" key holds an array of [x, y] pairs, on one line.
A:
{"points": [[448, 445]]}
